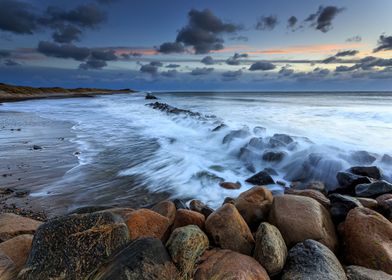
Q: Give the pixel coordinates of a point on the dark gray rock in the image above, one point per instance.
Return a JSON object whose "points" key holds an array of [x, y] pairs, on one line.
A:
{"points": [[150, 96], [219, 127], [180, 204], [373, 189], [273, 156], [143, 259], [363, 157], [271, 171], [261, 178], [341, 205], [362, 273], [198, 206], [283, 138], [240, 133], [311, 260], [71, 247], [257, 143], [386, 159], [36, 147], [368, 171], [348, 181]]}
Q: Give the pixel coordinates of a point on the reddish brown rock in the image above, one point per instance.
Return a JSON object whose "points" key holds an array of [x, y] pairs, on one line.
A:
{"points": [[226, 264], [167, 209], [17, 249], [368, 239], [228, 230], [316, 195], [186, 217], [12, 225], [146, 223], [299, 218], [230, 185], [254, 205], [368, 202]]}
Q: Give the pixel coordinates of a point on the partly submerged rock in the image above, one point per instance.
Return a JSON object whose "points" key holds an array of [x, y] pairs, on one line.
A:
{"points": [[368, 171], [185, 246], [341, 205], [363, 157], [272, 156], [354, 272], [228, 230], [348, 181], [270, 250], [225, 264], [240, 133], [71, 247], [167, 209], [261, 178], [230, 185], [143, 259], [312, 260], [373, 189], [12, 225], [198, 206]]}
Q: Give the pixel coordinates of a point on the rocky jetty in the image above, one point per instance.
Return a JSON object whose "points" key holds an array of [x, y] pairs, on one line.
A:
{"points": [[302, 234]]}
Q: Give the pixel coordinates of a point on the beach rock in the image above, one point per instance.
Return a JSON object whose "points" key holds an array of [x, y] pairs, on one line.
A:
{"points": [[143, 259], [89, 209], [316, 185], [257, 143], [386, 159], [8, 270], [225, 264], [385, 205], [368, 202], [261, 178], [219, 127], [354, 272], [254, 205], [363, 157], [146, 223], [230, 185], [180, 204], [368, 239], [270, 171], [283, 138], [271, 156], [186, 217], [71, 247], [228, 230], [259, 130], [200, 207], [150, 96], [37, 147], [167, 209], [185, 246], [12, 225], [341, 205], [368, 171], [17, 249], [270, 250], [373, 189], [312, 260], [348, 181], [316, 195], [228, 200], [240, 133], [299, 218], [123, 212]]}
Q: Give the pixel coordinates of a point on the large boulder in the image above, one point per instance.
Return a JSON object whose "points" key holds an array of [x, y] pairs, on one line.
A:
{"points": [[373, 189], [226, 264], [299, 218], [368, 202], [354, 272], [167, 209], [347, 182], [230, 185], [185, 246], [12, 225], [71, 247], [368, 171], [8, 269], [312, 260], [368, 239], [341, 205], [254, 205], [228, 230], [261, 178], [363, 157], [144, 259], [17, 249], [317, 195], [146, 223], [198, 206], [273, 156], [186, 217], [270, 250], [385, 205]]}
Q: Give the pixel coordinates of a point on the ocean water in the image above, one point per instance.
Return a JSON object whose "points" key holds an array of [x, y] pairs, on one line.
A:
{"points": [[125, 146]]}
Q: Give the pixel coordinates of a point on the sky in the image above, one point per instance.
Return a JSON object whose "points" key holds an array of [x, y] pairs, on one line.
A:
{"points": [[301, 45]]}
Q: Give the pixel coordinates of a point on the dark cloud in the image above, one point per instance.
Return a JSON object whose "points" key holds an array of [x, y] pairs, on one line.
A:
{"points": [[104, 55], [11, 62], [354, 39], [292, 22], [169, 73], [127, 56], [208, 60], [316, 75], [66, 34], [171, 47], [239, 38], [63, 51], [231, 75], [149, 69], [332, 59], [262, 66], [322, 19], [347, 53], [93, 63], [4, 53], [156, 63], [86, 15], [285, 71], [172, 65], [204, 31], [235, 59], [17, 17], [201, 71], [384, 43], [267, 23], [366, 63]]}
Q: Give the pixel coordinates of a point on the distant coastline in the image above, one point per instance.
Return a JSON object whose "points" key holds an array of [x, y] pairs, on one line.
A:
{"points": [[12, 93]]}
